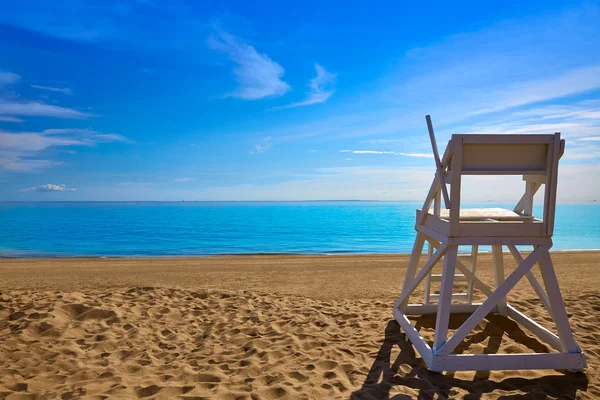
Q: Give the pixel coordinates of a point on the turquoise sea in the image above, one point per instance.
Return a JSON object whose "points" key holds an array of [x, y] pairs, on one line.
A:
{"points": [[203, 228]]}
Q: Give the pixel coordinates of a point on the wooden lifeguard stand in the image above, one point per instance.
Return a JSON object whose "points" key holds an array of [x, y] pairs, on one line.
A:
{"points": [[535, 157]]}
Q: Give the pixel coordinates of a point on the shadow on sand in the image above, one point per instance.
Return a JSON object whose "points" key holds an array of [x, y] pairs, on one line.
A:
{"points": [[407, 371]]}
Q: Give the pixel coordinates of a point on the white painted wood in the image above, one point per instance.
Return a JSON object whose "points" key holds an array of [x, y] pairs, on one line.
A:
{"points": [[489, 240], [507, 228], [480, 214], [499, 139], [539, 179], [535, 328], [414, 336], [433, 192], [489, 362], [431, 221], [454, 215], [412, 285], [532, 280], [438, 162], [551, 186], [445, 298], [413, 263], [536, 158], [498, 263], [473, 269], [462, 297], [557, 305], [491, 301], [474, 280], [427, 291], [457, 278]]}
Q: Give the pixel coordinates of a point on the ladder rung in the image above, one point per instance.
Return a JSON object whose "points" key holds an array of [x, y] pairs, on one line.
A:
{"points": [[465, 257], [457, 278], [455, 296]]}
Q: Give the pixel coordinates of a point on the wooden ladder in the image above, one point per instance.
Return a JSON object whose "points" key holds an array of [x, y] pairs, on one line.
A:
{"points": [[469, 260]]}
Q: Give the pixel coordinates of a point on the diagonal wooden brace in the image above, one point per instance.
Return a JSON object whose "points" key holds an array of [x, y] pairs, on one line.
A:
{"points": [[426, 268], [491, 302]]}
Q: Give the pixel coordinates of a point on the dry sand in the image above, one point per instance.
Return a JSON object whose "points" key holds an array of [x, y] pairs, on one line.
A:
{"points": [[260, 327]]}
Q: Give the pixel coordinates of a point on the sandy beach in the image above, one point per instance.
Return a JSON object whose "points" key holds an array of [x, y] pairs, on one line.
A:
{"points": [[261, 327]]}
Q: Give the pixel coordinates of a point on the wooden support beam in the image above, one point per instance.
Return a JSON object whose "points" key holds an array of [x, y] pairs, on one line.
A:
{"points": [[557, 305], [491, 301], [498, 262], [532, 281], [414, 336], [445, 299], [488, 362], [474, 251], [411, 270], [438, 162], [535, 328], [410, 286]]}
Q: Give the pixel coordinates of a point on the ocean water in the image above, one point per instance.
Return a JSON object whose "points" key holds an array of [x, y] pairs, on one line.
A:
{"points": [[203, 228]]}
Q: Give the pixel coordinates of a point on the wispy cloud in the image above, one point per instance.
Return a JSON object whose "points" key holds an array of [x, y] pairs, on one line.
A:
{"points": [[8, 78], [10, 119], [36, 109], [371, 152], [418, 155], [320, 89], [568, 83], [19, 150], [66, 91], [257, 74], [184, 179], [89, 134], [263, 146], [48, 188]]}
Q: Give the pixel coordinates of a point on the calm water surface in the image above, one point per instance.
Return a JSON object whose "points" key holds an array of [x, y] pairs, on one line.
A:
{"points": [[202, 228]]}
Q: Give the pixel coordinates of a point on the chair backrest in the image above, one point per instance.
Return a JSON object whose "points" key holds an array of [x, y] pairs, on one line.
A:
{"points": [[504, 154], [533, 156]]}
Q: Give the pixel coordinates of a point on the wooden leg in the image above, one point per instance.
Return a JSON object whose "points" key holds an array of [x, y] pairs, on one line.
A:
{"points": [[411, 270], [498, 261], [491, 302], [427, 292], [473, 268], [445, 300], [557, 305], [532, 281]]}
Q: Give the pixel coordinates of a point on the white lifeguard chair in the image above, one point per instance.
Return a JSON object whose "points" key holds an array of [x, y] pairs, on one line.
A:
{"points": [[536, 158]]}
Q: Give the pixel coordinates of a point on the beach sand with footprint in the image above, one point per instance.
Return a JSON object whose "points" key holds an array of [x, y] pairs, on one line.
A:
{"points": [[191, 342]]}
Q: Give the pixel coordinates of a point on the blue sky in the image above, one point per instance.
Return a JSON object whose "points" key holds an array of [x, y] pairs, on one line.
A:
{"points": [[153, 100]]}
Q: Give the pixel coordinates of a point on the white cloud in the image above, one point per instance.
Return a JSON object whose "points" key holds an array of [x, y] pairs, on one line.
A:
{"points": [[17, 162], [262, 147], [8, 78], [10, 119], [257, 74], [320, 89], [568, 83], [184, 179], [590, 139], [48, 188], [66, 91], [371, 152], [419, 155], [36, 109], [19, 149], [31, 142]]}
